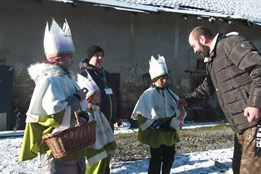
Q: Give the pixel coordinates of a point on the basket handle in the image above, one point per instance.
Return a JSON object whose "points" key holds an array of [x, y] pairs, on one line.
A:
{"points": [[77, 118]]}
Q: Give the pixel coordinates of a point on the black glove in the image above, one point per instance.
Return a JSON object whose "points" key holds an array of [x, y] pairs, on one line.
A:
{"points": [[166, 126], [155, 125], [84, 115], [74, 102]]}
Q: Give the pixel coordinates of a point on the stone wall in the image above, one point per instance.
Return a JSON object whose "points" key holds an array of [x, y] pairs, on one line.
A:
{"points": [[128, 39]]}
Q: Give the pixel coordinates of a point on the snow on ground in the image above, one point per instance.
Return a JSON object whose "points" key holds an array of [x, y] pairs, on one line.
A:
{"points": [[192, 163], [125, 128]]}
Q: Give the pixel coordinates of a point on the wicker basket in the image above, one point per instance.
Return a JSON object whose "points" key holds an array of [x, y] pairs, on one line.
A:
{"points": [[70, 140]]}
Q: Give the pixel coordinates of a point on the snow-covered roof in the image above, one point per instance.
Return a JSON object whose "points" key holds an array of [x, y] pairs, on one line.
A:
{"points": [[248, 10]]}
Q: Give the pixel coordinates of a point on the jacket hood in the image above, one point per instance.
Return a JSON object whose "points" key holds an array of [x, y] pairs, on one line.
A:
{"points": [[39, 70]]}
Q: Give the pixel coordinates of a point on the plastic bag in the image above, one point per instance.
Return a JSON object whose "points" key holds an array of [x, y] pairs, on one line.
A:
{"points": [[258, 141]]}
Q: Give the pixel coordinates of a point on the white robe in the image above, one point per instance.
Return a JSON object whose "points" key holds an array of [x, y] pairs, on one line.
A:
{"points": [[104, 136], [154, 105], [52, 89]]}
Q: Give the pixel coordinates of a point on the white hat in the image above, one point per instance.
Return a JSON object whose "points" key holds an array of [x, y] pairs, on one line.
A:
{"points": [[88, 83], [158, 67], [56, 40]]}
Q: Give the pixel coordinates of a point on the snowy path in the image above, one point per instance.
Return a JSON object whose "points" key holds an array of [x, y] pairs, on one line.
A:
{"points": [[192, 163]]}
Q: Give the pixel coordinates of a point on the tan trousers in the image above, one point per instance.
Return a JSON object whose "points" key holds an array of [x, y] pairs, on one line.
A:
{"points": [[51, 165], [244, 160]]}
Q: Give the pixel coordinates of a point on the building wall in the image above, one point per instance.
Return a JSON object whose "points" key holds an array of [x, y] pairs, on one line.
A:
{"points": [[128, 39]]}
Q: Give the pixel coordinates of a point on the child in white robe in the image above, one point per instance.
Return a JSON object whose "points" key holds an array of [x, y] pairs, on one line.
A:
{"points": [[97, 155], [159, 119], [56, 96]]}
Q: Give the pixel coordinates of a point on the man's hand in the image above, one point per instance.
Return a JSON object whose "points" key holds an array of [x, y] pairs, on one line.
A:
{"points": [[181, 103], [252, 114]]}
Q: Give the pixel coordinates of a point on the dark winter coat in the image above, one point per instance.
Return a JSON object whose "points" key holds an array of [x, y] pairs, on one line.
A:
{"points": [[234, 73], [110, 104]]}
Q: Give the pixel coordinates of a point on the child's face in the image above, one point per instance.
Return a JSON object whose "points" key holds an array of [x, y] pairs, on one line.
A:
{"points": [[66, 61], [96, 98], [161, 81]]}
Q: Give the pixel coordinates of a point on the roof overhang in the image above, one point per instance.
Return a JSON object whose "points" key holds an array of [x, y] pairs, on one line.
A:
{"points": [[142, 8]]}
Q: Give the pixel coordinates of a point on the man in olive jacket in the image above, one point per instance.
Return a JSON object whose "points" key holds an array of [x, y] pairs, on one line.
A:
{"points": [[234, 73]]}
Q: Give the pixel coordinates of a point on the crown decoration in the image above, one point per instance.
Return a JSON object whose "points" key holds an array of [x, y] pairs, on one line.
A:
{"points": [[57, 41], [88, 83], [158, 67]]}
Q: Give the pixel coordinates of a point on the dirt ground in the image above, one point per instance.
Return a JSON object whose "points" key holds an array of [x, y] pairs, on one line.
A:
{"points": [[191, 140]]}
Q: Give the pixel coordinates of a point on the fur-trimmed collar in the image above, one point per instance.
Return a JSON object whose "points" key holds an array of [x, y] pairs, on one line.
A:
{"points": [[39, 70]]}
